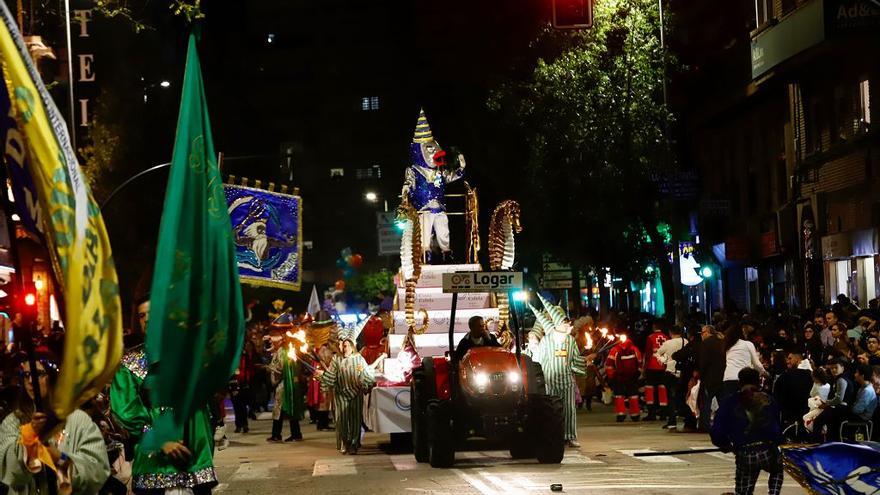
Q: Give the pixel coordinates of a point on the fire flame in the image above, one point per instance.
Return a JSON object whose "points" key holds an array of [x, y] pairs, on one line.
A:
{"points": [[291, 352], [589, 342], [603, 331], [623, 337]]}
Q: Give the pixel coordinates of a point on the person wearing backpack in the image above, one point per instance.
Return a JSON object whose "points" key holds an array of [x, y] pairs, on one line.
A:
{"points": [[623, 366]]}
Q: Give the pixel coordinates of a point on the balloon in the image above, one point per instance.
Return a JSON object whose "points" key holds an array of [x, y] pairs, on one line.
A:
{"points": [[349, 260], [357, 260], [346, 252], [340, 263], [347, 273], [340, 285]]}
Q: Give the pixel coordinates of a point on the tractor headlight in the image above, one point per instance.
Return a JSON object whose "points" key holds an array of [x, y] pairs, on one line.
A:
{"points": [[481, 380]]}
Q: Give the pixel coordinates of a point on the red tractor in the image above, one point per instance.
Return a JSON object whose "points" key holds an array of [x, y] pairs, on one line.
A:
{"points": [[489, 394]]}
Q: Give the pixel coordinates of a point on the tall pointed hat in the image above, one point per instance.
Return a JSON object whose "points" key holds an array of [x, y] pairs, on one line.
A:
{"points": [[557, 314], [423, 130], [542, 318]]}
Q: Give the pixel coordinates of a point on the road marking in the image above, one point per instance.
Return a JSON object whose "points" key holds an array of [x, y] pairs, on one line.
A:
{"points": [[576, 458], [254, 470], [655, 459], [220, 487], [727, 456], [526, 483], [404, 462], [476, 483], [506, 487], [342, 466]]}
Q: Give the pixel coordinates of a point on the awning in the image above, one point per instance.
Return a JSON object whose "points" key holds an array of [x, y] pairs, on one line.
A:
{"points": [[853, 243]]}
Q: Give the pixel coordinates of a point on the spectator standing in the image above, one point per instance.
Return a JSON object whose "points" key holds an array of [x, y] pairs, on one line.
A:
{"points": [[676, 392], [710, 364], [739, 354], [825, 333], [747, 423], [792, 388]]}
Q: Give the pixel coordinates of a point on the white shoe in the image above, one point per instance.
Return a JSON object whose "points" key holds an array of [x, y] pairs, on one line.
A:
{"points": [[572, 444]]}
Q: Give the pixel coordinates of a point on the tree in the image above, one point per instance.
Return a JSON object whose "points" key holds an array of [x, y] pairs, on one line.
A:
{"points": [[596, 127], [366, 286]]}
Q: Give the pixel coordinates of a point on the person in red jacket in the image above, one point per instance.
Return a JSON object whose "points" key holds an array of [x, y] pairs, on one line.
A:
{"points": [[655, 373], [623, 366]]}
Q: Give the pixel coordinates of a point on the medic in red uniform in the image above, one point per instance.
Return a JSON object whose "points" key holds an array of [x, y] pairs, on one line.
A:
{"points": [[655, 389], [623, 366]]}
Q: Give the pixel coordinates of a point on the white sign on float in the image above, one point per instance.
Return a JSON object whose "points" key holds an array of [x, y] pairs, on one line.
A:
{"points": [[482, 281]]}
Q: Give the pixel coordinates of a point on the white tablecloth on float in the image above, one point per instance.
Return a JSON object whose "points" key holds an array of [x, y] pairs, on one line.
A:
{"points": [[387, 410]]}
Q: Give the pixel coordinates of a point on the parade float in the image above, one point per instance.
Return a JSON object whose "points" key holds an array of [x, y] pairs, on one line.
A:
{"points": [[423, 315]]}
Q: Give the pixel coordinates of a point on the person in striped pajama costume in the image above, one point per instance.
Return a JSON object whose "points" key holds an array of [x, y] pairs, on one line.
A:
{"points": [[561, 360], [349, 377]]}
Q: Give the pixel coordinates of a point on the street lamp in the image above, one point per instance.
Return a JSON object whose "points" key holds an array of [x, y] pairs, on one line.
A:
{"points": [[706, 272], [371, 196], [165, 84], [520, 296]]}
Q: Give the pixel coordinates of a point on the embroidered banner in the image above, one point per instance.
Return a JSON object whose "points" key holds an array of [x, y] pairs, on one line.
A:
{"points": [[267, 227]]}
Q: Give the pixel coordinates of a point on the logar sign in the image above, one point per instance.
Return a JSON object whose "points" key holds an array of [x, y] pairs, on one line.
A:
{"points": [[482, 281]]}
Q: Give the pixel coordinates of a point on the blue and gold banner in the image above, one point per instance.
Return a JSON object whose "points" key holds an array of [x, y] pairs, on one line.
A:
{"points": [[835, 468], [267, 227]]}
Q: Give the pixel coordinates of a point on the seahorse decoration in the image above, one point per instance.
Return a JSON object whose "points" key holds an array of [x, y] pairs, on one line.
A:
{"points": [[472, 221], [411, 264], [502, 248]]}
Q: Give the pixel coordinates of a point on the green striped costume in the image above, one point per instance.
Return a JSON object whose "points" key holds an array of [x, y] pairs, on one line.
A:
{"points": [[349, 378], [561, 360]]}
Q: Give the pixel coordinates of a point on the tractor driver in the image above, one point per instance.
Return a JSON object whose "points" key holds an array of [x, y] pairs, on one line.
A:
{"points": [[478, 336]]}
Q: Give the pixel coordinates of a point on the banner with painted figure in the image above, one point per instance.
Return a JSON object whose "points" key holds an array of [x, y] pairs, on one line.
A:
{"points": [[70, 220], [268, 236], [835, 468]]}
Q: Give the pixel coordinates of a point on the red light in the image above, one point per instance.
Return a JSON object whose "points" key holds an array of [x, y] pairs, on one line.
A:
{"points": [[30, 299]]}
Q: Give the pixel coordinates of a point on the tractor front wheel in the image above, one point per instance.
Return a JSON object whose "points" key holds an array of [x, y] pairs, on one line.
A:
{"points": [[547, 421], [441, 441]]}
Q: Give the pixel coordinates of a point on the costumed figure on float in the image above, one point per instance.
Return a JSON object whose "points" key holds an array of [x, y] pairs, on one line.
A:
{"points": [[560, 359], [424, 188]]}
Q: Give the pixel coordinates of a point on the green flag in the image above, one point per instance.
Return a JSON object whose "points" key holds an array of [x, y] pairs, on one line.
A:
{"points": [[196, 326]]}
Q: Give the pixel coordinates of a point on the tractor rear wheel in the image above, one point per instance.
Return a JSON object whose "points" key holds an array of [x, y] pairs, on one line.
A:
{"points": [[441, 441], [547, 423], [418, 415]]}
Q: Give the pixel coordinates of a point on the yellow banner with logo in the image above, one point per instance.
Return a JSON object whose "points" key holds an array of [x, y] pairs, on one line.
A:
{"points": [[74, 230]]}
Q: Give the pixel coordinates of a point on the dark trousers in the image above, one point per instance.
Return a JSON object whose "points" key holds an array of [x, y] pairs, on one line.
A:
{"points": [[111, 487], [654, 379], [323, 419], [294, 427], [707, 393], [750, 464], [831, 417], [728, 388], [240, 404]]}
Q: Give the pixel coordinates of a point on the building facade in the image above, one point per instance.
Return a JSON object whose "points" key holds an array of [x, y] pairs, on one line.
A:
{"points": [[788, 157]]}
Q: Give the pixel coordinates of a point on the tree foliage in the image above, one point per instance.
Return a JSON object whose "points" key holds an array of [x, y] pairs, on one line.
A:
{"points": [[366, 286], [593, 116]]}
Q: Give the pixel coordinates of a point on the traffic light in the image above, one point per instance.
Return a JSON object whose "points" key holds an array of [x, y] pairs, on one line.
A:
{"points": [[572, 14]]}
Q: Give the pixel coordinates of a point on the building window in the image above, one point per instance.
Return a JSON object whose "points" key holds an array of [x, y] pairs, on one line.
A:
{"points": [[864, 105], [336, 173], [374, 172], [369, 103], [763, 12]]}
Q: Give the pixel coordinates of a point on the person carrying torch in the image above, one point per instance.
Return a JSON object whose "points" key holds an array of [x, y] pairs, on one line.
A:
{"points": [[622, 369], [286, 368]]}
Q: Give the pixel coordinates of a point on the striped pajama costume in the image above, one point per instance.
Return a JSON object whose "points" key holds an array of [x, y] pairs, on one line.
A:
{"points": [[349, 379], [561, 359]]}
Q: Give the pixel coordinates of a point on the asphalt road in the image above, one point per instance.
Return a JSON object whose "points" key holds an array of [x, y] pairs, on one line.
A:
{"points": [[603, 464]]}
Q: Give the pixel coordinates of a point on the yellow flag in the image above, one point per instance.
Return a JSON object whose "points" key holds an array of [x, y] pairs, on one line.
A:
{"points": [[73, 228]]}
